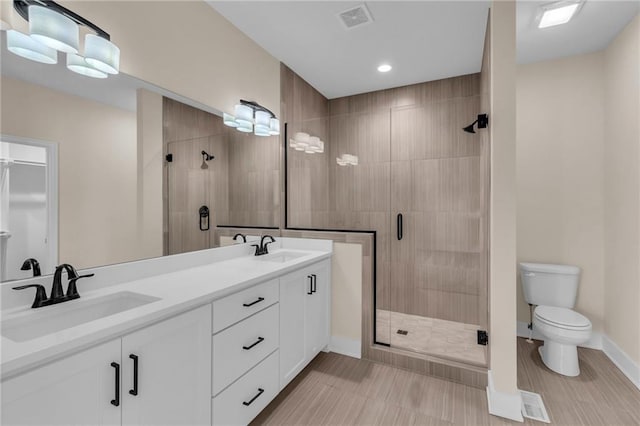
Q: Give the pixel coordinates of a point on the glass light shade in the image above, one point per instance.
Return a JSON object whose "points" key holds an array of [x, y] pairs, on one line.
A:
{"points": [[245, 128], [293, 143], [309, 150], [23, 45], [101, 54], [302, 139], [244, 116], [262, 119], [314, 145], [320, 147], [229, 120], [274, 126], [260, 130], [299, 148], [76, 63], [53, 29], [341, 161]]}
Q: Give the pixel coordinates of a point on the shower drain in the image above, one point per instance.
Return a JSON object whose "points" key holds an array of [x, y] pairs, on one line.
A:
{"points": [[403, 332]]}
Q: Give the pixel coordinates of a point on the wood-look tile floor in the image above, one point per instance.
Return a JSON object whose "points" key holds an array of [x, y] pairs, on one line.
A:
{"points": [[447, 339], [338, 390]]}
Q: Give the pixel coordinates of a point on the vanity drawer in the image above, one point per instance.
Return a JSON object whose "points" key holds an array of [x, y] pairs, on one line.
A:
{"points": [[243, 400], [233, 308], [240, 347]]}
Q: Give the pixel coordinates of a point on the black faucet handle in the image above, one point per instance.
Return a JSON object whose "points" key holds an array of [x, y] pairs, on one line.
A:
{"points": [[72, 291], [258, 249], [41, 294]]}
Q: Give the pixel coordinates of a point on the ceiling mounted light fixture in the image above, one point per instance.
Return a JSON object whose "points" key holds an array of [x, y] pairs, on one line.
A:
{"points": [[252, 117], [54, 28], [558, 13], [384, 68]]}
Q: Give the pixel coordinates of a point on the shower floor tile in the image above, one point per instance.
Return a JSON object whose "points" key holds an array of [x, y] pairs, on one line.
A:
{"points": [[447, 339]]}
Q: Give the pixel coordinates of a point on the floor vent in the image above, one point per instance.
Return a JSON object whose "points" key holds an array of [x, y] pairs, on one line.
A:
{"points": [[533, 407], [403, 332], [355, 17]]}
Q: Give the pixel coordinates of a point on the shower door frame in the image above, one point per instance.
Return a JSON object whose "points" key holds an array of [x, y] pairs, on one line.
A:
{"points": [[51, 149]]}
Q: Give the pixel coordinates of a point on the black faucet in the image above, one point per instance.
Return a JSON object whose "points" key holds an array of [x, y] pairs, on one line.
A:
{"points": [[262, 248], [244, 237], [57, 295], [32, 264]]}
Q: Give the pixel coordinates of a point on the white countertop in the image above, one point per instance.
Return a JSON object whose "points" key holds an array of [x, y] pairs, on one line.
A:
{"points": [[178, 291]]}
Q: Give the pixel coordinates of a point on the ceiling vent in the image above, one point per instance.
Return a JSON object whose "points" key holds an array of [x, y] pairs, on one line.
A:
{"points": [[355, 17]]}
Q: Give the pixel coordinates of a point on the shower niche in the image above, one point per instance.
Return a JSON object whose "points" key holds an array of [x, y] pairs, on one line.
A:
{"points": [[421, 183]]}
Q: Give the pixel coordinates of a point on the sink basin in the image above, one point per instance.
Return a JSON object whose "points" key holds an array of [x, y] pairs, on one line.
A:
{"points": [[47, 320], [281, 257]]}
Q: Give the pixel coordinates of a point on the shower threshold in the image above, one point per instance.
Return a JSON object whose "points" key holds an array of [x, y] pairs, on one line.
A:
{"points": [[431, 336]]}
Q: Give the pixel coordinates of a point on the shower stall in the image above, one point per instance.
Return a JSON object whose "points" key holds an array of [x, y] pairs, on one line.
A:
{"points": [[421, 183]]}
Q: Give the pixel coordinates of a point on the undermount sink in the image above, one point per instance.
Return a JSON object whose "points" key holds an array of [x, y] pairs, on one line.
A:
{"points": [[43, 321], [281, 257]]}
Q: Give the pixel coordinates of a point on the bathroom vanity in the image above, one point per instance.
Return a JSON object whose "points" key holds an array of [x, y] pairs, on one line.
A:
{"points": [[212, 343]]}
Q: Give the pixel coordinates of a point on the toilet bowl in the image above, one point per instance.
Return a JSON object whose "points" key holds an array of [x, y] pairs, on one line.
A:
{"points": [[563, 329]]}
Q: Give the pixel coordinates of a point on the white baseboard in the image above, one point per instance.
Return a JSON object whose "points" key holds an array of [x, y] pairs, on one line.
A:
{"points": [[628, 366], [344, 346], [503, 404], [595, 342]]}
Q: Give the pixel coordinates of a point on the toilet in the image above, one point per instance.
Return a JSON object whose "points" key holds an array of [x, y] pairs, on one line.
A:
{"points": [[554, 288]]}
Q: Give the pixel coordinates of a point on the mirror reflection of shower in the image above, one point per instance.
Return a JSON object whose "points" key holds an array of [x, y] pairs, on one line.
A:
{"points": [[25, 205], [206, 157]]}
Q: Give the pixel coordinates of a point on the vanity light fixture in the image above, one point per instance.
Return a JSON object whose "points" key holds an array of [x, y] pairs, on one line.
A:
{"points": [[54, 28], [252, 117], [309, 144], [557, 13]]}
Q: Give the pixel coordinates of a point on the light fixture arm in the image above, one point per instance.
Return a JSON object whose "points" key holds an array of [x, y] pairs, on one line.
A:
{"points": [[257, 107], [22, 7]]}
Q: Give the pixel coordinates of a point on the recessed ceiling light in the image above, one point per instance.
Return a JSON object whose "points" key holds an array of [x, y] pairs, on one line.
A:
{"points": [[558, 13], [384, 68]]}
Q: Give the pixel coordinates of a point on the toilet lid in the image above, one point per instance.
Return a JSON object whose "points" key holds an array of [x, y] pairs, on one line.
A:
{"points": [[562, 317]]}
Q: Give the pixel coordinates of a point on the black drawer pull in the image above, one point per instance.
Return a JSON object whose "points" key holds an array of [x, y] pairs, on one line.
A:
{"points": [[399, 226], [260, 392], [116, 401], [134, 391], [260, 339], [246, 305], [314, 283], [310, 284]]}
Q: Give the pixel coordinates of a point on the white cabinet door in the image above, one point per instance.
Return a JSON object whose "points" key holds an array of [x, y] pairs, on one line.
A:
{"points": [[174, 372], [317, 310], [293, 292], [77, 390]]}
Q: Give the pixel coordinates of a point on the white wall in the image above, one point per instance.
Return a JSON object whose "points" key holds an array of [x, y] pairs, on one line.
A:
{"points": [[622, 191], [560, 211], [97, 168]]}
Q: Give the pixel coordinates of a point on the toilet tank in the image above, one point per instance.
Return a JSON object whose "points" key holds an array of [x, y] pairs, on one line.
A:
{"points": [[550, 285]]}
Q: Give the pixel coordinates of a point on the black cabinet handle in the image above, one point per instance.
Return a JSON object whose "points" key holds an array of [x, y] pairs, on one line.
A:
{"points": [[260, 392], [134, 391], [116, 401], [310, 284], [246, 305], [314, 283], [260, 339], [399, 226]]}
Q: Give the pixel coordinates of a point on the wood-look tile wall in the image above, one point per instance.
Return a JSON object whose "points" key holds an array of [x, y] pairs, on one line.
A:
{"points": [[240, 186]]}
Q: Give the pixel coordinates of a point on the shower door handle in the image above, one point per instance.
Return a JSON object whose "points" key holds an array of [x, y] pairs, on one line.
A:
{"points": [[399, 226]]}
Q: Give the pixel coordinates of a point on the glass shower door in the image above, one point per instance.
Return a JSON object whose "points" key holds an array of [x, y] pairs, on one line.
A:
{"points": [[438, 260]]}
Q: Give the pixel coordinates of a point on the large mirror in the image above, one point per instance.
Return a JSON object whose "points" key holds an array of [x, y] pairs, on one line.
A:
{"points": [[103, 171]]}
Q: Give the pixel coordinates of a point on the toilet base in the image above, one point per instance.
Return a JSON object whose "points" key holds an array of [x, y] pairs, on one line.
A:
{"points": [[563, 359]]}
